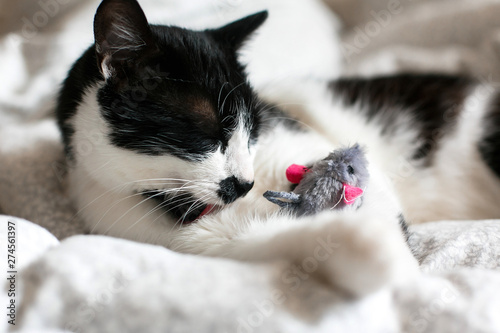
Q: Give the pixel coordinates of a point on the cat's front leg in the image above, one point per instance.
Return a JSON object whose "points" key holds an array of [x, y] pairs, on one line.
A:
{"points": [[354, 252]]}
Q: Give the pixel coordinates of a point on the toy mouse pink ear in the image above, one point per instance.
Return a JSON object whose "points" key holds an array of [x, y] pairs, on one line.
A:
{"points": [[351, 193], [295, 173]]}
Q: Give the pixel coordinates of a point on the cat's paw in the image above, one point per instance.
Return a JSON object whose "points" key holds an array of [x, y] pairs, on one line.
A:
{"points": [[360, 254]]}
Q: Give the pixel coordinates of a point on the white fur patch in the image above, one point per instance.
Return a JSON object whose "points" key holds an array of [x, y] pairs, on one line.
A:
{"points": [[239, 160]]}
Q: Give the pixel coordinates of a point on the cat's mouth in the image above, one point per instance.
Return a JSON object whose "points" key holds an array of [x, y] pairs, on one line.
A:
{"points": [[184, 207]]}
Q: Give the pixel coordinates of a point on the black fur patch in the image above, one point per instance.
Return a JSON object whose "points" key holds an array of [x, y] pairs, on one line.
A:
{"points": [[404, 227], [434, 101], [183, 206], [489, 145]]}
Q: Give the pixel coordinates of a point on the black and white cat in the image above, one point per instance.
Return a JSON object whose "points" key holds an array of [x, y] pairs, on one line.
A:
{"points": [[168, 144]]}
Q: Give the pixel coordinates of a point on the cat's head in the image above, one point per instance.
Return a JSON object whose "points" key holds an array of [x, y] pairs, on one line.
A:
{"points": [[180, 118]]}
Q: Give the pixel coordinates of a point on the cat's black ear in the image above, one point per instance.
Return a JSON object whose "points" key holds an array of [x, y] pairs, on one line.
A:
{"points": [[122, 34], [235, 34]]}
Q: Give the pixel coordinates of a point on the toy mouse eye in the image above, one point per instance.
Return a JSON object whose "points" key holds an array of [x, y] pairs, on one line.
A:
{"points": [[350, 169]]}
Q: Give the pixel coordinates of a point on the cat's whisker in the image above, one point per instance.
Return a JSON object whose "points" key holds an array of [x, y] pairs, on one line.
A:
{"points": [[125, 185], [136, 205], [176, 180], [232, 90], [163, 192], [270, 106], [97, 170], [297, 121], [151, 211], [178, 222], [167, 190], [220, 94], [196, 204], [218, 203], [184, 200], [125, 213], [158, 207]]}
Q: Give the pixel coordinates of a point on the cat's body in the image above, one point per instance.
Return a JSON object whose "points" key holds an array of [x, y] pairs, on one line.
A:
{"points": [[436, 137], [167, 144]]}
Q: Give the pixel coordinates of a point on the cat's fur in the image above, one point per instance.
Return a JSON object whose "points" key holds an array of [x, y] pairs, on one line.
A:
{"points": [[156, 117]]}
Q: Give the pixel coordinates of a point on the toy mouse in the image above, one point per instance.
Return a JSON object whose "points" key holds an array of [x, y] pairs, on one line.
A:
{"points": [[335, 182]]}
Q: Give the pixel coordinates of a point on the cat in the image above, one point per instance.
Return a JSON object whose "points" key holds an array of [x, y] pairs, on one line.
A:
{"points": [[167, 143]]}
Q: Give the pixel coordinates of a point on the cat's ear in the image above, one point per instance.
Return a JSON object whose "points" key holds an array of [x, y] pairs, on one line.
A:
{"points": [[236, 33], [122, 34]]}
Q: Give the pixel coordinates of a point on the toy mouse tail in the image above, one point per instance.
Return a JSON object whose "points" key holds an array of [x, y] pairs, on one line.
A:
{"points": [[283, 199]]}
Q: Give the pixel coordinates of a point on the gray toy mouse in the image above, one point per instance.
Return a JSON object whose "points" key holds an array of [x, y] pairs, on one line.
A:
{"points": [[335, 182]]}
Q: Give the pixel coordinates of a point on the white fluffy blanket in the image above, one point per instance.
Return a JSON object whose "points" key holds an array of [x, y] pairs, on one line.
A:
{"points": [[101, 284]]}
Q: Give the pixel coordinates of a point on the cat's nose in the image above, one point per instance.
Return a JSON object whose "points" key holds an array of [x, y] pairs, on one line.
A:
{"points": [[231, 189]]}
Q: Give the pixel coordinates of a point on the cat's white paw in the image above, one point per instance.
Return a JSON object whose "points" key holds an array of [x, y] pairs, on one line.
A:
{"points": [[358, 253], [350, 251]]}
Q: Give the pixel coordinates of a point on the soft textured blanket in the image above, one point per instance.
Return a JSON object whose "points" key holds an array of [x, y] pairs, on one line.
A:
{"points": [[101, 284]]}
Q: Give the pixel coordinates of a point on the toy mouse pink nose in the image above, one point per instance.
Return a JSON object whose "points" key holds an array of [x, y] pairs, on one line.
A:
{"points": [[295, 173], [351, 193]]}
